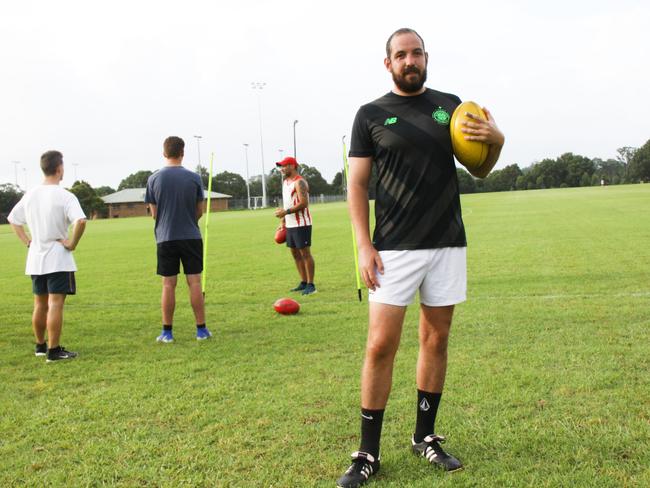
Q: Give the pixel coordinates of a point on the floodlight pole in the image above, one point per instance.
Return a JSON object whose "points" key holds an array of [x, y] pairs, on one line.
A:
{"points": [[16, 163], [294, 139], [74, 165], [281, 151], [259, 86], [248, 189], [198, 148]]}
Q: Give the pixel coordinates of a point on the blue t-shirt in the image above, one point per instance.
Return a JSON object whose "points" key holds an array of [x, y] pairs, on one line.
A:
{"points": [[175, 191]]}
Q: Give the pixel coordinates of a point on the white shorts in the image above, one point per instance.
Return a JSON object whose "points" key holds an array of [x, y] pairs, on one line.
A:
{"points": [[439, 274]]}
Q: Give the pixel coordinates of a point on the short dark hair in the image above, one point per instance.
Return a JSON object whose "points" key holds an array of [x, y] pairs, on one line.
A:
{"points": [[398, 32], [174, 147], [50, 161]]}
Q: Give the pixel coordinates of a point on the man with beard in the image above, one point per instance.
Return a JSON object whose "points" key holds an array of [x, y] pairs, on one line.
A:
{"points": [[295, 216], [418, 244]]}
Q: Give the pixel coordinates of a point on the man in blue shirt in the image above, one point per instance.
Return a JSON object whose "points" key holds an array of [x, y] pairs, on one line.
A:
{"points": [[175, 197]]}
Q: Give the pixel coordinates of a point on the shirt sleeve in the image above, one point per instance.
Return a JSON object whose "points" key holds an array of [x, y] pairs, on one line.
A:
{"points": [[200, 195], [73, 210], [148, 195], [17, 214], [361, 144]]}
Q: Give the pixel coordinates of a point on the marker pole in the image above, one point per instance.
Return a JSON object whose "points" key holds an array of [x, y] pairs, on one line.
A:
{"points": [[354, 239], [205, 230]]}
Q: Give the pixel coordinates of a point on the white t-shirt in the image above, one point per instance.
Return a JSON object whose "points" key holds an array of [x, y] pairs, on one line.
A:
{"points": [[48, 211]]}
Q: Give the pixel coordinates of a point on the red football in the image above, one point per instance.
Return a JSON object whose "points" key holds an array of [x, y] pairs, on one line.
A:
{"points": [[281, 235], [286, 306]]}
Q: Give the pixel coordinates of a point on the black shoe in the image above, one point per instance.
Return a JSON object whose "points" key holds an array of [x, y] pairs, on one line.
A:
{"points": [[363, 467], [40, 349], [309, 289], [430, 449], [300, 287], [59, 353]]}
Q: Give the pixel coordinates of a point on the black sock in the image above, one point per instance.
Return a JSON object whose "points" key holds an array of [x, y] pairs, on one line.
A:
{"points": [[200, 326], [371, 422], [426, 416], [167, 327]]}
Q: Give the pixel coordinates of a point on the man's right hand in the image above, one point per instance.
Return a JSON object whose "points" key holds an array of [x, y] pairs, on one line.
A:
{"points": [[369, 264]]}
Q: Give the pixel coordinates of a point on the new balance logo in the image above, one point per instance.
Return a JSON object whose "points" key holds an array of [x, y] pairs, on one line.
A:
{"points": [[424, 405], [391, 121]]}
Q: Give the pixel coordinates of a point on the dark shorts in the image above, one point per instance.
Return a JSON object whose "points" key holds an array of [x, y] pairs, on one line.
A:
{"points": [[299, 237], [172, 253], [61, 282]]}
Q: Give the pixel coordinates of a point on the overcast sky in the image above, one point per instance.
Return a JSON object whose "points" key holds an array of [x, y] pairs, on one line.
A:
{"points": [[106, 82]]}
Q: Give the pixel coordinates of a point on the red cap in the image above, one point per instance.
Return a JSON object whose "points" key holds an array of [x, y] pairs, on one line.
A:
{"points": [[287, 161]]}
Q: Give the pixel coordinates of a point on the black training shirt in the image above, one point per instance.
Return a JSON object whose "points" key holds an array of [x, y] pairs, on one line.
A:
{"points": [[417, 202]]}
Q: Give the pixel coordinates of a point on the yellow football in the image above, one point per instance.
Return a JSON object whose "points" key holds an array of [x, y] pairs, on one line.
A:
{"points": [[471, 154]]}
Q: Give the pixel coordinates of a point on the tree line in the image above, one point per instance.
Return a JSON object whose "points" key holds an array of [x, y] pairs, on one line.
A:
{"points": [[631, 165]]}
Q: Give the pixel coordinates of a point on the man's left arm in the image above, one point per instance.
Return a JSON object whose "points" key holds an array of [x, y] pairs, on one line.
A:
{"points": [[78, 229], [303, 200], [485, 131], [22, 235]]}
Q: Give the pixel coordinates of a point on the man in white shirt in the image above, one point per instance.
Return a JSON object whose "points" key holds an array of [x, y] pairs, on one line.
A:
{"points": [[49, 210]]}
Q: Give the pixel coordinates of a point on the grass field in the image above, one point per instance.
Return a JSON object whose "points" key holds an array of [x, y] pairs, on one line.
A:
{"points": [[549, 369]]}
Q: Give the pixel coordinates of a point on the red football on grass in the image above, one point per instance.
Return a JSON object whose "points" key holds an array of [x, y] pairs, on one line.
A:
{"points": [[286, 306], [281, 235]]}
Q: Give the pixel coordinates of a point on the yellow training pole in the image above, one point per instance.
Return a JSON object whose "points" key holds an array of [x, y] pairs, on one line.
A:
{"points": [[205, 232], [354, 239]]}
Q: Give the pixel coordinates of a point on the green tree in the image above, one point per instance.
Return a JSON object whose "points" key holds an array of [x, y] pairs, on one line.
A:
{"points": [[317, 184], [10, 195], [90, 203], [576, 166], [338, 184], [229, 183], [503, 180], [135, 180], [466, 182], [521, 183], [611, 170], [255, 184], [274, 184], [102, 191], [625, 157], [639, 167], [204, 174]]}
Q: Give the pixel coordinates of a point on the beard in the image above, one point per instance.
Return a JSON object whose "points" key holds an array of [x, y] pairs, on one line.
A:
{"points": [[407, 86]]}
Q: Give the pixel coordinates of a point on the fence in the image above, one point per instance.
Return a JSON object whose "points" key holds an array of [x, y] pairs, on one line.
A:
{"points": [[256, 202]]}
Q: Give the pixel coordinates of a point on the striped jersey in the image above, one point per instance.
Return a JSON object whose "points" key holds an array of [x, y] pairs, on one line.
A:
{"points": [[301, 218], [417, 203]]}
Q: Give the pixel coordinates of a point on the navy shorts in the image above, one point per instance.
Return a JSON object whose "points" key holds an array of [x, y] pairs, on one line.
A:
{"points": [[172, 253], [61, 283], [299, 237]]}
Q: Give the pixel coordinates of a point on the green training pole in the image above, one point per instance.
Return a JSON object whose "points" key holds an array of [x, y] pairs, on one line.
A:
{"points": [[354, 239], [205, 232]]}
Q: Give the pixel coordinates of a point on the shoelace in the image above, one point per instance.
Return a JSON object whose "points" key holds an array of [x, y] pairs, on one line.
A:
{"points": [[362, 463], [431, 452], [434, 437]]}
